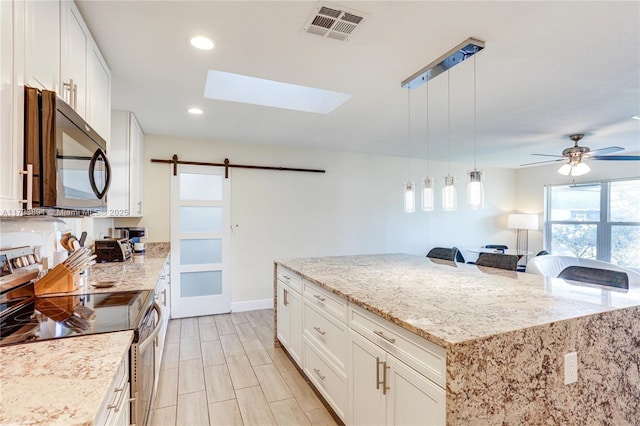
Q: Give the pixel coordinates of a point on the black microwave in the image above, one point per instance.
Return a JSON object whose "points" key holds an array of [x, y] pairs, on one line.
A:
{"points": [[70, 169]]}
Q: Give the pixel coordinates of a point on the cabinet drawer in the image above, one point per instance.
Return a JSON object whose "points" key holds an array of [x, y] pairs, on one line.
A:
{"points": [[292, 279], [327, 333], [424, 356], [329, 381], [326, 301]]}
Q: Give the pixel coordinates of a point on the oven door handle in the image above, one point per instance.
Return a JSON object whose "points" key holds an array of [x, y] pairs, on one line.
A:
{"points": [[149, 340]]}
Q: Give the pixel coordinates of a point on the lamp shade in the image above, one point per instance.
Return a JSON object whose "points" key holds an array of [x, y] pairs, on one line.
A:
{"points": [[522, 221]]}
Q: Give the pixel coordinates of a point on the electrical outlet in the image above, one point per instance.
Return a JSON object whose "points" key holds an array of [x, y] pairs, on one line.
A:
{"points": [[570, 368]]}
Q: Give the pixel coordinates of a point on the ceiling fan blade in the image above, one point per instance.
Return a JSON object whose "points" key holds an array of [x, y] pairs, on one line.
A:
{"points": [[542, 162], [549, 155], [607, 150], [616, 157]]}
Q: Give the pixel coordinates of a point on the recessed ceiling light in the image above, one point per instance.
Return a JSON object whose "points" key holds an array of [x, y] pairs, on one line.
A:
{"points": [[201, 42], [227, 86], [195, 111]]}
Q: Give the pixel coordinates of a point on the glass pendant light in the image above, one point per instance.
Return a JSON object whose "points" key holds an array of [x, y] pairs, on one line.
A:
{"points": [[449, 196], [475, 187], [427, 185], [409, 186]]}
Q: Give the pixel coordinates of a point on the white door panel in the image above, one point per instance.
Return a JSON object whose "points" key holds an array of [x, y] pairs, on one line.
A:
{"points": [[200, 242]]}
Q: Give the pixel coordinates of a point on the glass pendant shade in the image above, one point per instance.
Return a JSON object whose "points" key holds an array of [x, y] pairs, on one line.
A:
{"points": [[427, 195], [409, 197], [475, 190], [449, 196]]}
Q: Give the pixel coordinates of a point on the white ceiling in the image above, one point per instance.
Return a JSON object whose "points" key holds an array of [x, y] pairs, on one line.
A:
{"points": [[549, 69]]}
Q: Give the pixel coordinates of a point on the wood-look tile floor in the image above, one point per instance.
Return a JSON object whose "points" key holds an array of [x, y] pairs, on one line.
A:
{"points": [[225, 370]]}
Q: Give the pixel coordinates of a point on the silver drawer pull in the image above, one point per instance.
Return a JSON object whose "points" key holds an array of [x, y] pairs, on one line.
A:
{"points": [[319, 330], [286, 277], [381, 334], [320, 298], [319, 375]]}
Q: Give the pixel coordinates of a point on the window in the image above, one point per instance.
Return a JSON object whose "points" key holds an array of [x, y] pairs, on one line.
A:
{"points": [[595, 220]]}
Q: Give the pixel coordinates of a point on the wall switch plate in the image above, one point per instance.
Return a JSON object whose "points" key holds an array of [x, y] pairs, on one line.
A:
{"points": [[570, 368]]}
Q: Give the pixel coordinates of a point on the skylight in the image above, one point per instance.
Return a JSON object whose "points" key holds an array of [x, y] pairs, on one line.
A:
{"points": [[257, 91]]}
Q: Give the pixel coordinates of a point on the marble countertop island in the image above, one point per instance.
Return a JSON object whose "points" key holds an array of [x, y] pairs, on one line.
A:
{"points": [[505, 335], [59, 382]]}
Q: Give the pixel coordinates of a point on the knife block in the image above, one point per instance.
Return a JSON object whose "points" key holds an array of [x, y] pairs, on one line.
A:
{"points": [[58, 280]]}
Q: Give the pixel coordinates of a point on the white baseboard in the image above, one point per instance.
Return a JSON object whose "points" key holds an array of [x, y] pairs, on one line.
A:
{"points": [[251, 305]]}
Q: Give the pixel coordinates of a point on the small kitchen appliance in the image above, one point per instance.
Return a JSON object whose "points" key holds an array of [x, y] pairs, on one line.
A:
{"points": [[134, 234], [112, 250]]}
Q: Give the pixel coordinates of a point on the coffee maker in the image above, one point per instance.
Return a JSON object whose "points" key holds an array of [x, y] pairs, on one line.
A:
{"points": [[134, 235]]}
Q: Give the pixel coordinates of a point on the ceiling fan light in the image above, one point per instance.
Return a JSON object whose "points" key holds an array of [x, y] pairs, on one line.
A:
{"points": [[565, 169], [580, 169]]}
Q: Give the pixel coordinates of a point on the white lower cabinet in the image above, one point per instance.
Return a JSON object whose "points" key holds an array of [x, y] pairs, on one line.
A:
{"points": [[385, 390], [116, 407], [163, 299], [328, 379], [370, 371], [289, 318]]}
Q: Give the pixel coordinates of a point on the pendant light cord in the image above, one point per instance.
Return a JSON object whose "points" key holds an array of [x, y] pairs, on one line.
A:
{"points": [[449, 116], [475, 118], [427, 130], [409, 130]]}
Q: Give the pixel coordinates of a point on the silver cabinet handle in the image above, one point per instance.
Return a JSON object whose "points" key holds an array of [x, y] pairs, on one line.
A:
{"points": [[320, 331], [387, 338], [29, 173], [385, 388], [320, 298], [378, 364], [164, 297], [116, 406], [286, 277], [75, 95], [286, 293], [319, 375]]}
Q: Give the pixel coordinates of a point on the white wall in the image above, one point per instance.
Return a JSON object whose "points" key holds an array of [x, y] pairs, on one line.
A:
{"points": [[530, 184], [355, 208]]}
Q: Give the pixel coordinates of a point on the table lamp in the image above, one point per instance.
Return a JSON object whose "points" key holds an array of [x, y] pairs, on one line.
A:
{"points": [[522, 223]]}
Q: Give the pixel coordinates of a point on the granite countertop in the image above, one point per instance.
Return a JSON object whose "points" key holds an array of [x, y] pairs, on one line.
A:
{"points": [[449, 303], [59, 382], [139, 272]]}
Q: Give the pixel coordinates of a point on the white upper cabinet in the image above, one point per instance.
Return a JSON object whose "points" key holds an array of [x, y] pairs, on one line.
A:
{"points": [[73, 67], [10, 111], [84, 74], [42, 44], [98, 93], [126, 154]]}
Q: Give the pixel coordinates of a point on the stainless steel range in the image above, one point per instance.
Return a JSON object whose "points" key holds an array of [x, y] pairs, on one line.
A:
{"points": [[25, 318]]}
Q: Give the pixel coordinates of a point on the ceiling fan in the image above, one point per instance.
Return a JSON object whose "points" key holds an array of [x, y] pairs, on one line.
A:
{"points": [[575, 155]]}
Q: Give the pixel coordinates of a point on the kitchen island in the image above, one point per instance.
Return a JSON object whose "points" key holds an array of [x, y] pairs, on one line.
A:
{"points": [[503, 336]]}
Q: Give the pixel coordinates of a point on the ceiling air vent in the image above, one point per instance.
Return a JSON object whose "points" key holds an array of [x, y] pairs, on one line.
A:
{"points": [[333, 21]]}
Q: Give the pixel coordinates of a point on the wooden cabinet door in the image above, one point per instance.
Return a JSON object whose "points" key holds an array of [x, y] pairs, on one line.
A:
{"points": [[412, 399], [366, 401]]}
